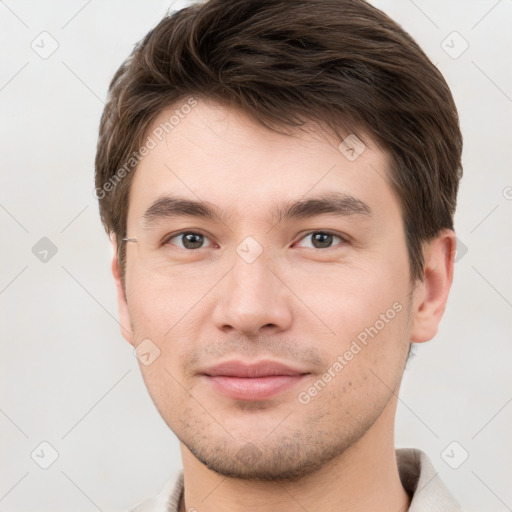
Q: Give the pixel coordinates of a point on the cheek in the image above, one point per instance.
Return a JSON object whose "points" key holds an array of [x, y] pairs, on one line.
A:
{"points": [[165, 311], [364, 361], [348, 299], [365, 315], [158, 304], [165, 387]]}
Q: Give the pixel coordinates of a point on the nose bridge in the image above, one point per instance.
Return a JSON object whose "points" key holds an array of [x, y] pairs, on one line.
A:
{"points": [[250, 276], [252, 297]]}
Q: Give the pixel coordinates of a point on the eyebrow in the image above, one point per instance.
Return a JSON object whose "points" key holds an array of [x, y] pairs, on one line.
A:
{"points": [[334, 203]]}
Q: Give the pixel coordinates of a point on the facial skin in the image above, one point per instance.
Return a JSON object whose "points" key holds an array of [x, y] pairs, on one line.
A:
{"points": [[297, 303]]}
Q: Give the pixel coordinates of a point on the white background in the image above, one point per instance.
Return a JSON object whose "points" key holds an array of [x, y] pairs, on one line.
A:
{"points": [[67, 375]]}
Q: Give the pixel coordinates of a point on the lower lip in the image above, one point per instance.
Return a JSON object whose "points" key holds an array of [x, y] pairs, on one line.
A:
{"points": [[257, 388]]}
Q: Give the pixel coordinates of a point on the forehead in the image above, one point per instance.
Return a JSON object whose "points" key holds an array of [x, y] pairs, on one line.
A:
{"points": [[218, 154]]}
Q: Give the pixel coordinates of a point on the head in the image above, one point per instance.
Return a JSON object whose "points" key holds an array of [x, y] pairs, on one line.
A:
{"points": [[287, 174]]}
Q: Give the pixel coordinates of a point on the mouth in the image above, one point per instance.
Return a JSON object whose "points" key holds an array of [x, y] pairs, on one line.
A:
{"points": [[259, 381]]}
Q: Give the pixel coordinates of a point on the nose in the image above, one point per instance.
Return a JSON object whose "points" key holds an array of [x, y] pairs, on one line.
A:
{"points": [[253, 300]]}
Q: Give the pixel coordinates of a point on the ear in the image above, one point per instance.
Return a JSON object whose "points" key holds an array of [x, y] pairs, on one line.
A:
{"points": [[122, 304], [431, 295]]}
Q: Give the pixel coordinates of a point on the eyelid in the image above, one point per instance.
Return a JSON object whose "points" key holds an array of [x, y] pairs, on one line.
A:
{"points": [[170, 236], [344, 238]]}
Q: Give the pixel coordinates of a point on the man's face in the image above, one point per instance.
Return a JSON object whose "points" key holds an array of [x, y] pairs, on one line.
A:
{"points": [[324, 293]]}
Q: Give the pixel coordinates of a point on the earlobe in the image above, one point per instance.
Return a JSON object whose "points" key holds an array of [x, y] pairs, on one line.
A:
{"points": [[122, 304], [431, 295]]}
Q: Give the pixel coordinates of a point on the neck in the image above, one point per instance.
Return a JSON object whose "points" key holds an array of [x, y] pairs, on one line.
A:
{"points": [[363, 478]]}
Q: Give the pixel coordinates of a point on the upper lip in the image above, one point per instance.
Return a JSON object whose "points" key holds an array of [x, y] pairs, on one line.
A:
{"points": [[234, 368]]}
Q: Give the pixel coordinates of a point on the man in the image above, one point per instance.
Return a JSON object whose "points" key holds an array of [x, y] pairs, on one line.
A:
{"points": [[279, 181]]}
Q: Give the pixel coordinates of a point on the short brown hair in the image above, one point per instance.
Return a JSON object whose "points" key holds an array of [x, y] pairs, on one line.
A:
{"points": [[342, 63]]}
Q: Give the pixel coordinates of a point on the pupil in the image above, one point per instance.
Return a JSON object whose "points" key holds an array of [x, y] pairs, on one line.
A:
{"points": [[192, 240], [321, 240]]}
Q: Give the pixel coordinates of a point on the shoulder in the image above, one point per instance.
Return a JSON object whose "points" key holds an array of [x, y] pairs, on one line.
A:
{"points": [[422, 482]]}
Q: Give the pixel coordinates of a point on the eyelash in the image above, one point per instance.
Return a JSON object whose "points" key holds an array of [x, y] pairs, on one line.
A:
{"points": [[168, 239]]}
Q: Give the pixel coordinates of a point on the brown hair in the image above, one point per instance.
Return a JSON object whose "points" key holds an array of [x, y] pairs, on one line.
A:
{"points": [[342, 63]]}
